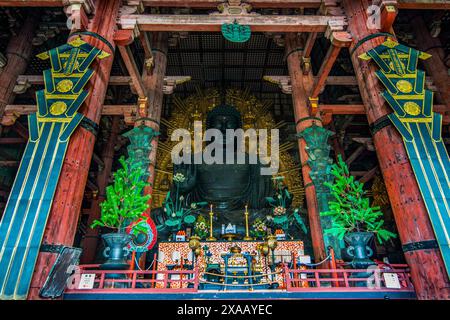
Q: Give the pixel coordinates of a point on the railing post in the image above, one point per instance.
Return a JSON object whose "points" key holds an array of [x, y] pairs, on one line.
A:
{"points": [[317, 277], [166, 276], [287, 278], [102, 281], [377, 275], [196, 278], [345, 278], [133, 279], [334, 267]]}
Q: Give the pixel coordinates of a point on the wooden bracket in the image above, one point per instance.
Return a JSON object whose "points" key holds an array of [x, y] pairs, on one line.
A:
{"points": [[142, 107], [126, 37], [77, 12], [314, 105], [284, 82], [367, 142], [171, 82], [21, 86], [341, 39], [3, 62], [130, 10], [233, 8], [136, 5], [331, 8], [388, 13], [9, 118]]}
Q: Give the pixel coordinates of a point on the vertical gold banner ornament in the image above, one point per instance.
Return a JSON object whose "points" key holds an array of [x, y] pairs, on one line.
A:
{"points": [[420, 128], [30, 201]]}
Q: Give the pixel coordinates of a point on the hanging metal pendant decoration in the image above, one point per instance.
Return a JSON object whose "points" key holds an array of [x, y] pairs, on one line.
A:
{"points": [[30, 201], [421, 129], [236, 32]]}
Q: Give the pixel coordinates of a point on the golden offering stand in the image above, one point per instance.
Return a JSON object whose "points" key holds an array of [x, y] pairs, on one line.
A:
{"points": [[211, 214], [230, 236], [247, 236]]}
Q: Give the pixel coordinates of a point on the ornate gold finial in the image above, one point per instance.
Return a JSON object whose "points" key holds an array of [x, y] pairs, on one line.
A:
{"points": [[165, 184], [197, 114], [249, 118]]}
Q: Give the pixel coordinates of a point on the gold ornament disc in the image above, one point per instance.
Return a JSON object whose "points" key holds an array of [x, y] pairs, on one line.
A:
{"points": [[411, 108], [404, 86], [64, 85], [58, 108]]}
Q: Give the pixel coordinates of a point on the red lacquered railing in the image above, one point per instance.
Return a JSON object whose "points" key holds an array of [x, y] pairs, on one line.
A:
{"points": [[131, 281], [346, 279], [295, 280]]}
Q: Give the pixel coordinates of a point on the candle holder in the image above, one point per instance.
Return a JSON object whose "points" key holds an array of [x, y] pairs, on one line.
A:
{"points": [[272, 244], [247, 236], [211, 237]]}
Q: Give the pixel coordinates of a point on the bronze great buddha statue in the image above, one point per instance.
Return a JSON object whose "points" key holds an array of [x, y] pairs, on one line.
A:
{"points": [[228, 187]]}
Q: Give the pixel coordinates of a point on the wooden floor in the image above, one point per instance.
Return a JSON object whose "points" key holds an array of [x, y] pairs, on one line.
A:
{"points": [[246, 295]]}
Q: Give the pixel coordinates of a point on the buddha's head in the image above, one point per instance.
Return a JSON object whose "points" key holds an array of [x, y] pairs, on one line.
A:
{"points": [[224, 117]]}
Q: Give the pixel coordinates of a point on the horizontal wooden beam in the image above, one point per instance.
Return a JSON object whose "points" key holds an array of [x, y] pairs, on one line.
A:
{"points": [[107, 110], [359, 108], [129, 110], [9, 163], [424, 4], [7, 140], [343, 109], [213, 23], [170, 82], [39, 80], [207, 4], [126, 80], [31, 3]]}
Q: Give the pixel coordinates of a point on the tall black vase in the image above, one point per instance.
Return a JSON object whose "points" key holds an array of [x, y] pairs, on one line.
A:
{"points": [[116, 252], [358, 249]]}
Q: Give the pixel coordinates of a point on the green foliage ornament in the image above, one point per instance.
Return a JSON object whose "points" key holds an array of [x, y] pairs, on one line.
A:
{"points": [[125, 203], [259, 229], [236, 32], [351, 210], [201, 227], [283, 216], [179, 213]]}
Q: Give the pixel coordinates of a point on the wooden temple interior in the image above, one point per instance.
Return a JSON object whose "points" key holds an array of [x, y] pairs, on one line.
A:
{"points": [[300, 64]]}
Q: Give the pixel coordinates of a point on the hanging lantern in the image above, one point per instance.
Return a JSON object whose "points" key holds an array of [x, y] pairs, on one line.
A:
{"points": [[235, 32]]}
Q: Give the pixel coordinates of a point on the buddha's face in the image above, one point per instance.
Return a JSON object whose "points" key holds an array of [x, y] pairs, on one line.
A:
{"points": [[223, 122]]}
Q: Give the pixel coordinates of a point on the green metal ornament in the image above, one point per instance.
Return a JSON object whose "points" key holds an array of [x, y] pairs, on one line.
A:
{"points": [[235, 32]]}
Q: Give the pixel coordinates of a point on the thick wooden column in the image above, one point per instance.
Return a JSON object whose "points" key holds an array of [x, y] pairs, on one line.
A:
{"points": [[434, 66], [18, 53], [301, 85], [64, 215], [153, 82], [427, 267], [90, 240]]}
